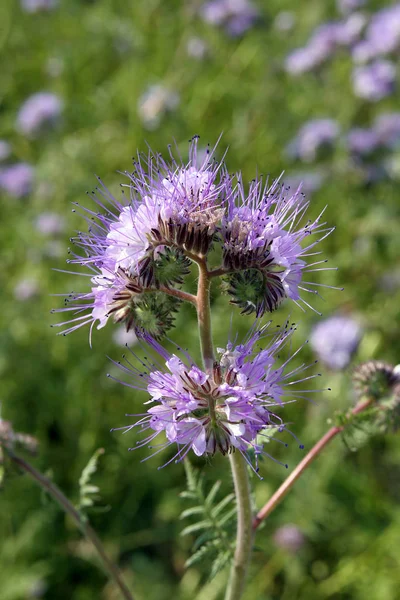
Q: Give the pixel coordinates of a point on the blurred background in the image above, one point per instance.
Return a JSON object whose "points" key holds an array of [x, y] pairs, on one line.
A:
{"points": [[309, 88]]}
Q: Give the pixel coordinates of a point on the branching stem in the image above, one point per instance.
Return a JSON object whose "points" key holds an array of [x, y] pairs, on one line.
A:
{"points": [[302, 466], [83, 524]]}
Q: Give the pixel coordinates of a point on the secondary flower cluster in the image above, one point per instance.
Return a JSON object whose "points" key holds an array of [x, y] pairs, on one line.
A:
{"points": [[231, 407], [139, 250]]}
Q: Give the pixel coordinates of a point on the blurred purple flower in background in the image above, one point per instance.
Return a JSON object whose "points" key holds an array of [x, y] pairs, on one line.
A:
{"points": [[17, 179], [39, 112], [50, 223], [387, 128], [383, 32], [156, 101], [289, 538], [197, 48], [335, 339], [25, 289], [312, 137], [375, 80], [362, 141], [33, 6], [236, 16], [5, 150]]}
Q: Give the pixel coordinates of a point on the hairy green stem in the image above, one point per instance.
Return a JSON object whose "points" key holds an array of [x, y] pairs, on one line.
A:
{"points": [[244, 534], [302, 466], [83, 525], [204, 316]]}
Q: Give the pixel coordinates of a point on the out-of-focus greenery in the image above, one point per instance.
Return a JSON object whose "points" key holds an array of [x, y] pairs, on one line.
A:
{"points": [[100, 57]]}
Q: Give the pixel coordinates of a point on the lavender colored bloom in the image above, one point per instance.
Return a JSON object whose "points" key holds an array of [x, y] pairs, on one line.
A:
{"points": [[17, 179], [335, 340], [5, 150], [33, 6], [320, 47], [171, 205], [40, 111], [262, 235], [289, 537], [26, 289], [49, 223], [197, 48], [349, 31], [374, 81], [387, 129], [362, 141], [313, 137], [383, 33], [155, 103], [237, 16], [230, 409]]}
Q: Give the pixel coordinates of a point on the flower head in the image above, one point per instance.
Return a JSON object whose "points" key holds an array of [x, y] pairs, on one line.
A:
{"points": [[174, 210], [38, 112], [17, 179], [263, 252], [335, 340], [231, 408]]}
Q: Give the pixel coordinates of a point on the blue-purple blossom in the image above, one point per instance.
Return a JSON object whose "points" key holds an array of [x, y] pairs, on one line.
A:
{"points": [[231, 408], [39, 111], [48, 223], [348, 6], [263, 236], [335, 340], [374, 81], [313, 137], [383, 32], [387, 129], [362, 141], [237, 16], [17, 179]]}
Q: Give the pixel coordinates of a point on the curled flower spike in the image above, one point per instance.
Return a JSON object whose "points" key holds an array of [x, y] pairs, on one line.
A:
{"points": [[135, 247], [262, 252], [376, 379], [231, 408]]}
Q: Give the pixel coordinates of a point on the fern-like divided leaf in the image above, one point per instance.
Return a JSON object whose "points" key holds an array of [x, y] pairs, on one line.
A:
{"points": [[89, 493], [213, 527]]}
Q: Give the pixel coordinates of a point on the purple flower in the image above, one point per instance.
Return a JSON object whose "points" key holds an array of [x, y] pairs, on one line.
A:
{"points": [[387, 129], [362, 141], [231, 408], [33, 6], [312, 138], [262, 236], [284, 21], [374, 81], [319, 48], [171, 206], [49, 223], [289, 537], [383, 33], [17, 180], [237, 16], [26, 289], [335, 340], [40, 111]]}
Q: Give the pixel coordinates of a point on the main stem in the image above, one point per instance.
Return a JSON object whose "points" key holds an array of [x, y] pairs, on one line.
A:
{"points": [[302, 466], [83, 525], [244, 534]]}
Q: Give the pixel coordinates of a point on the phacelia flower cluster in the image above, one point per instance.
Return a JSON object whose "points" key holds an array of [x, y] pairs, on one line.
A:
{"points": [[231, 408], [139, 250]]}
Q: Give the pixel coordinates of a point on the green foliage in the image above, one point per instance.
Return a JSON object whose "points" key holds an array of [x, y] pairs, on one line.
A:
{"points": [[213, 525], [89, 493]]}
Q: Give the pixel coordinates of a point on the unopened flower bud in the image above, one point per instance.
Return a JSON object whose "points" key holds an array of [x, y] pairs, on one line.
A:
{"points": [[375, 379]]}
